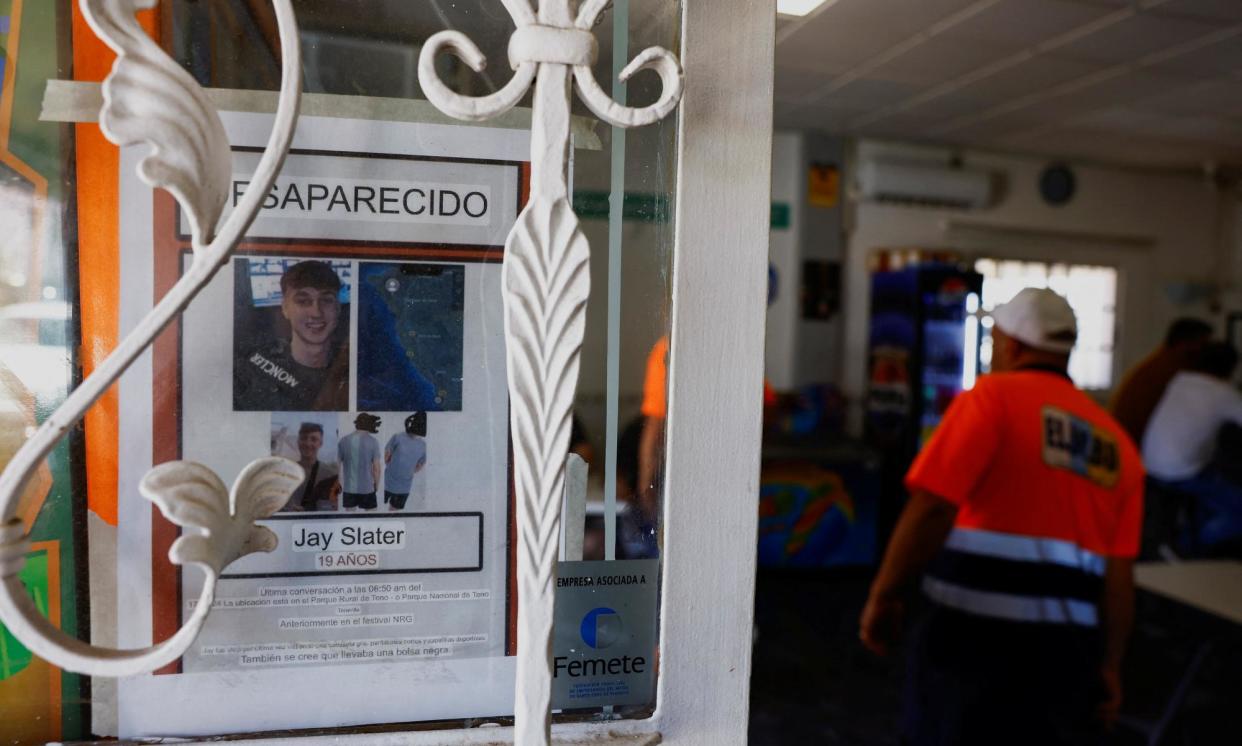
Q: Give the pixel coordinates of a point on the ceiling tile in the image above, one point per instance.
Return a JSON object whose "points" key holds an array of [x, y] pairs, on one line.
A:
{"points": [[1209, 130], [1120, 90], [907, 17], [1221, 10], [1022, 113], [850, 32], [1217, 59], [913, 16], [938, 60], [1136, 37], [906, 126], [997, 126], [794, 85], [828, 63], [1209, 98], [844, 35], [1023, 23], [869, 94], [822, 118], [1035, 74], [1084, 100], [944, 108], [1216, 131], [1096, 144]]}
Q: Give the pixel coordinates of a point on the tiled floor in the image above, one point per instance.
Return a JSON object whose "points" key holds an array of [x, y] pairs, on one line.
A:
{"points": [[812, 683]]}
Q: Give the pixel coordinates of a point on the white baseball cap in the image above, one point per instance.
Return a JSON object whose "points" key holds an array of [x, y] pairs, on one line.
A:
{"points": [[1040, 318]]}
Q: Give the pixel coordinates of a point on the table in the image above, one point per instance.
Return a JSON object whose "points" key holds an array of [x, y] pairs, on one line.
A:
{"points": [[1214, 586]]}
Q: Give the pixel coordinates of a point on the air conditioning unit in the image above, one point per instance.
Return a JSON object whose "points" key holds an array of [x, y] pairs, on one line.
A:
{"points": [[924, 184]]}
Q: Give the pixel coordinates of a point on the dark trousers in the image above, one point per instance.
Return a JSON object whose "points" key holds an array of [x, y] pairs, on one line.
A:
{"points": [[973, 680], [1218, 507]]}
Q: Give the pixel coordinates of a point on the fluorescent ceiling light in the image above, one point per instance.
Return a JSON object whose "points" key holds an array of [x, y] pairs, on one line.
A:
{"points": [[797, 7]]}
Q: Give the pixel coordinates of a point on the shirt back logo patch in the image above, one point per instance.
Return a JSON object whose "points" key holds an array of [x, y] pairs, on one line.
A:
{"points": [[1076, 445]]}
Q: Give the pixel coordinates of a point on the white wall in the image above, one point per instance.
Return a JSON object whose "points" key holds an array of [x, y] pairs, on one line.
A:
{"points": [[784, 254], [823, 239], [801, 351], [1169, 223]]}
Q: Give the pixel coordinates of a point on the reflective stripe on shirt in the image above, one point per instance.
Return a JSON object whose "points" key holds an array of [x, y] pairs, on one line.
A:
{"points": [[1025, 549], [1017, 578], [1011, 607]]}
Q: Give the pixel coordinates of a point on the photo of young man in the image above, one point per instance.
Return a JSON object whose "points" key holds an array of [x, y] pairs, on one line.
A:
{"points": [[291, 341], [320, 489], [404, 456], [359, 456]]}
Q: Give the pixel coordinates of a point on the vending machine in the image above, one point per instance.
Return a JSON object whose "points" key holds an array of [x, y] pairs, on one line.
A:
{"points": [[924, 351]]}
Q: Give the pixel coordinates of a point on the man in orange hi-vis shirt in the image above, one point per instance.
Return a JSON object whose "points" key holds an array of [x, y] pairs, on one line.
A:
{"points": [[645, 507], [1024, 510], [655, 410]]}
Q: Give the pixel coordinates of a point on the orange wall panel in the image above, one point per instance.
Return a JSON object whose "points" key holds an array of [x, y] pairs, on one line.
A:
{"points": [[98, 180]]}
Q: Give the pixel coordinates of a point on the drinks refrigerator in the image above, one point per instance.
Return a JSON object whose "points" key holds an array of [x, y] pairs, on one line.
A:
{"points": [[925, 337]]}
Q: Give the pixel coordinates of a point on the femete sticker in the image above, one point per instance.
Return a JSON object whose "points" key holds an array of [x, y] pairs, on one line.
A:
{"points": [[605, 633]]}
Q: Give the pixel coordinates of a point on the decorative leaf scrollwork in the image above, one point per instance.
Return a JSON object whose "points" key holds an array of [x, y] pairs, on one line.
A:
{"points": [[546, 283], [601, 104], [222, 521], [149, 99]]}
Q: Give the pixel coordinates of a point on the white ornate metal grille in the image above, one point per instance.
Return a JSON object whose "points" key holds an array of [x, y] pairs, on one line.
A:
{"points": [[546, 284]]}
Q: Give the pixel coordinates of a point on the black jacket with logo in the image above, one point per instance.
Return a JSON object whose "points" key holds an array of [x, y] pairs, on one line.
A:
{"points": [[272, 381]]}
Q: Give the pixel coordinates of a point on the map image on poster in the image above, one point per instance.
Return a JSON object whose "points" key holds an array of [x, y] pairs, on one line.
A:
{"points": [[410, 337]]}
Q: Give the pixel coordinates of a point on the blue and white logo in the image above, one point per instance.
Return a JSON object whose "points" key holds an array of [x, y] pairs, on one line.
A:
{"points": [[601, 628]]}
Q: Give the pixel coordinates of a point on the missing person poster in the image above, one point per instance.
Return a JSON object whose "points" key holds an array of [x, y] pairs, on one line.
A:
{"points": [[358, 331]]}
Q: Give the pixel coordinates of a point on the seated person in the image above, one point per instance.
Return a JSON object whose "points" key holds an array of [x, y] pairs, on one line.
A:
{"points": [[1229, 452], [1142, 388], [1181, 440]]}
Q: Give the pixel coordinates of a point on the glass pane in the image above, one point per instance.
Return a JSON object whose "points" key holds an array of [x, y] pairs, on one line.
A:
{"points": [[624, 194], [38, 332], [351, 333]]}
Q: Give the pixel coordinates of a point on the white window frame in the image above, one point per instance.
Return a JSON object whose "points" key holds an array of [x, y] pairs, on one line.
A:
{"points": [[1137, 327], [714, 412], [1069, 264]]}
